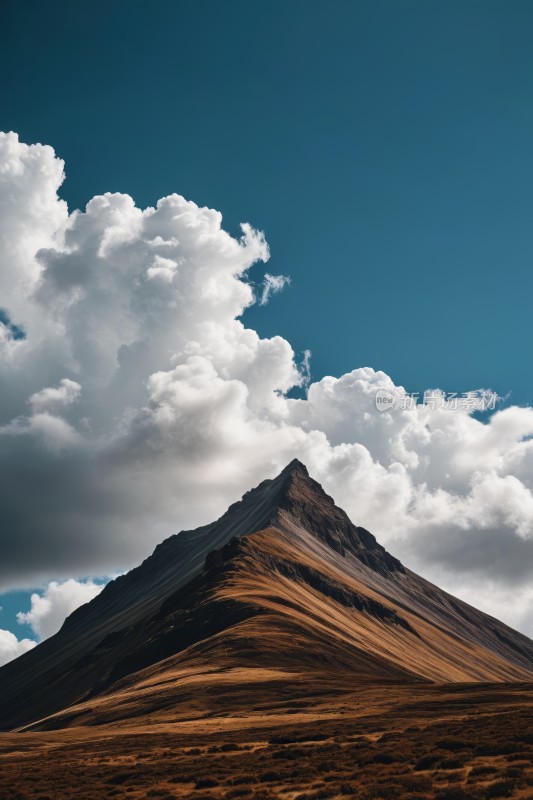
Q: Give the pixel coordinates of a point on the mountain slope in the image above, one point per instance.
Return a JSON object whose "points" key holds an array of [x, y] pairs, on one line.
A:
{"points": [[283, 584]]}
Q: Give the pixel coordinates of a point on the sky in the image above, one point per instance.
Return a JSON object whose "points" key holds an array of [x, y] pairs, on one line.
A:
{"points": [[384, 150]]}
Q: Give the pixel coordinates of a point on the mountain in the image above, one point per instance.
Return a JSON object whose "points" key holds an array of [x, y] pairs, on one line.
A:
{"points": [[282, 589]]}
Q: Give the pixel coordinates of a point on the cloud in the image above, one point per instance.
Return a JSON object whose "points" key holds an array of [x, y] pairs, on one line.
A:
{"points": [[49, 609], [11, 647], [162, 268], [139, 404], [271, 285], [55, 398]]}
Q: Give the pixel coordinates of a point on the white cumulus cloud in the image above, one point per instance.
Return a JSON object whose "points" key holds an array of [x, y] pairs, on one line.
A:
{"points": [[137, 403], [49, 610], [11, 647]]}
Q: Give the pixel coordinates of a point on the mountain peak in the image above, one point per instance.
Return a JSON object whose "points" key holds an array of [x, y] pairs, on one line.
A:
{"points": [[295, 466], [300, 503], [282, 580]]}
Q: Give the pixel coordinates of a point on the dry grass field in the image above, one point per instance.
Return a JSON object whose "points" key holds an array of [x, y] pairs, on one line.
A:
{"points": [[291, 740]]}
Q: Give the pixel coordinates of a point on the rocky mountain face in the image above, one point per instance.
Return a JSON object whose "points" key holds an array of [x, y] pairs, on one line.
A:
{"points": [[283, 584]]}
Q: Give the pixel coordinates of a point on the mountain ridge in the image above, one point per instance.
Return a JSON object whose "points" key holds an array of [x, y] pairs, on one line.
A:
{"points": [[282, 581]]}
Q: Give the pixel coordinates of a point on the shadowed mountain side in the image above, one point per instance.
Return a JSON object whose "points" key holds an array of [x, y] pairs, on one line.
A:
{"points": [[283, 584]]}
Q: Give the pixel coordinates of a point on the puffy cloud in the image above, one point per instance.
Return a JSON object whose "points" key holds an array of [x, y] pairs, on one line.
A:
{"points": [[53, 398], [138, 404], [49, 609], [11, 647], [162, 268], [271, 285]]}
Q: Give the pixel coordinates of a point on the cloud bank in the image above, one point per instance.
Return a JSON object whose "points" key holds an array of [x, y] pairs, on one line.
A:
{"points": [[136, 403]]}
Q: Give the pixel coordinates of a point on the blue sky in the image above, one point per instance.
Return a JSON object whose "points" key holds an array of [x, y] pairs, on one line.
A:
{"points": [[10, 604], [384, 148]]}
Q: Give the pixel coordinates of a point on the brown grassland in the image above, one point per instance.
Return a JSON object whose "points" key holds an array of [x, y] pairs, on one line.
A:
{"points": [[291, 739]]}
